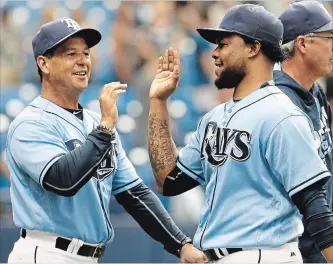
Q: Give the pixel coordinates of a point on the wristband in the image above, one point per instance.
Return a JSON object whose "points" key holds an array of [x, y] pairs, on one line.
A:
{"points": [[107, 129]]}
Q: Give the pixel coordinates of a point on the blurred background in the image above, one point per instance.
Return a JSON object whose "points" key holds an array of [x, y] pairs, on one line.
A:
{"points": [[135, 34]]}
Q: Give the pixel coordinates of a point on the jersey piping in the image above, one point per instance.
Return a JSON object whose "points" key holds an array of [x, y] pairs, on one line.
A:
{"points": [[115, 189]]}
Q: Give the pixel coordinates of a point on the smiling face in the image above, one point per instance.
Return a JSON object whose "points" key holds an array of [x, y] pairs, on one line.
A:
{"points": [[229, 57], [70, 67]]}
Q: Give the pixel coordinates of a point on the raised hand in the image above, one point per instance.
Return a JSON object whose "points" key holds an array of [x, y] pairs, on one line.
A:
{"points": [[108, 100], [167, 77]]}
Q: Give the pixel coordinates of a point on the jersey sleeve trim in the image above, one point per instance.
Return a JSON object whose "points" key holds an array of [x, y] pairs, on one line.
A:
{"points": [[47, 166], [190, 173], [308, 182], [126, 186]]}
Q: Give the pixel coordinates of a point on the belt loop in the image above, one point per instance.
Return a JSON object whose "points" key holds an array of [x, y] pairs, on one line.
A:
{"points": [[97, 253], [217, 252], [23, 232], [225, 251], [77, 246], [72, 245]]}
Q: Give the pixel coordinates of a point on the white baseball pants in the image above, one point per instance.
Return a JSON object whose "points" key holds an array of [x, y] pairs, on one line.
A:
{"points": [[39, 247], [288, 253]]}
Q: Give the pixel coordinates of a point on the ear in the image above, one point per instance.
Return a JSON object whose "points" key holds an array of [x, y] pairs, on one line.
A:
{"points": [[254, 49], [43, 64], [301, 44]]}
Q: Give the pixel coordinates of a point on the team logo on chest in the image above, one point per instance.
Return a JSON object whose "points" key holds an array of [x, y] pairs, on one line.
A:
{"points": [[221, 143]]}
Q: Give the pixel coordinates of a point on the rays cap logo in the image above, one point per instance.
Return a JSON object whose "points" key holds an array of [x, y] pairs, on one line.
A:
{"points": [[71, 23], [250, 20], [57, 31], [303, 17]]}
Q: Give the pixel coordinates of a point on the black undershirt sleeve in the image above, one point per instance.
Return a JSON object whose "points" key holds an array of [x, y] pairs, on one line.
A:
{"points": [[313, 205], [74, 169], [177, 182], [145, 207]]}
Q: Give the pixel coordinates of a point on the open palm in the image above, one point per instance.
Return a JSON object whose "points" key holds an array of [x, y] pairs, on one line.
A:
{"points": [[167, 77]]}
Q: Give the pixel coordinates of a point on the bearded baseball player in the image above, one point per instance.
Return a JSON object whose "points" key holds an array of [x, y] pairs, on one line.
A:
{"points": [[256, 153], [308, 49], [66, 162]]}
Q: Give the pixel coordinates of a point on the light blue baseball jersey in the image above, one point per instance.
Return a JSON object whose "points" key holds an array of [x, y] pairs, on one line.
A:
{"points": [[37, 138], [253, 155]]}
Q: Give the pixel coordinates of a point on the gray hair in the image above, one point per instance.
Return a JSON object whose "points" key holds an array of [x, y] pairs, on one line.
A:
{"points": [[288, 49]]}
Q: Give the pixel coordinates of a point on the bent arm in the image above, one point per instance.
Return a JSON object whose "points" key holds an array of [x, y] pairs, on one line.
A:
{"points": [[161, 147]]}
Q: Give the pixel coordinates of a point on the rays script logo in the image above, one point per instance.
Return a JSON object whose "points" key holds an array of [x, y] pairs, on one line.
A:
{"points": [[221, 143]]}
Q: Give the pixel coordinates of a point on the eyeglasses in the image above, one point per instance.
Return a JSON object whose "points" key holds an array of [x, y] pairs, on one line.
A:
{"points": [[313, 35]]}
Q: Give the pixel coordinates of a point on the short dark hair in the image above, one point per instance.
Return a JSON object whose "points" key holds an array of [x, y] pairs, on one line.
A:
{"points": [[49, 54], [272, 51]]}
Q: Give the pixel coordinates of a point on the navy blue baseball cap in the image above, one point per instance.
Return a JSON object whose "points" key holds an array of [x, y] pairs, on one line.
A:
{"points": [[305, 17], [248, 20], [59, 30]]}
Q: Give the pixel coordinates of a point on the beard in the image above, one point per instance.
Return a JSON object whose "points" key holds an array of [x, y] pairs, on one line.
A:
{"points": [[230, 78]]}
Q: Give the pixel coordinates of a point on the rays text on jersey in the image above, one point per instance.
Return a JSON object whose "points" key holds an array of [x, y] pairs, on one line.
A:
{"points": [[221, 142]]}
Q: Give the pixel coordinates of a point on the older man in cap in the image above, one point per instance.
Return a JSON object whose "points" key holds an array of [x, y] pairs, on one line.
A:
{"points": [[66, 162], [308, 51]]}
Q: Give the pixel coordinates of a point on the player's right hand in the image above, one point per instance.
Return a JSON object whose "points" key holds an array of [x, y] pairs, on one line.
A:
{"points": [[167, 77], [190, 254], [108, 103]]}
